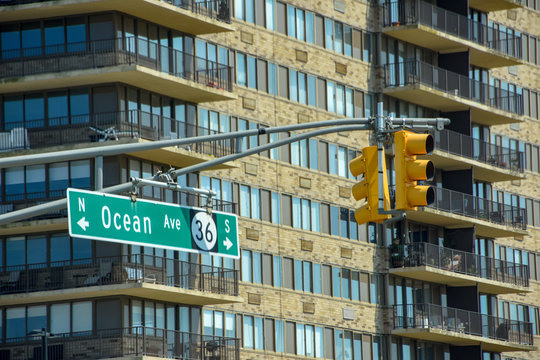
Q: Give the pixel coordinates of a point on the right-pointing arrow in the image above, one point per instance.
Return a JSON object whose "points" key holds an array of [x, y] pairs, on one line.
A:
{"points": [[228, 243]]}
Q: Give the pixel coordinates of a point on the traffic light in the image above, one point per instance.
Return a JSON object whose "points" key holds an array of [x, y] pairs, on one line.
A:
{"points": [[367, 164], [409, 170]]}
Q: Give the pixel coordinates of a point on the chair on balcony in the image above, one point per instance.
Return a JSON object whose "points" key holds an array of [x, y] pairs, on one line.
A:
{"points": [[502, 332], [5, 140], [497, 217], [11, 282], [517, 221], [19, 138], [101, 277]]}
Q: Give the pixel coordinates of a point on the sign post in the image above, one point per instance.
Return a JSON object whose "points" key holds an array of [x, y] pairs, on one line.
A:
{"points": [[100, 216]]}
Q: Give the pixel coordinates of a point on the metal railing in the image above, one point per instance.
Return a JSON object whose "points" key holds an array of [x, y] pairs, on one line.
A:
{"points": [[479, 208], [124, 342], [112, 52], [418, 72], [118, 270], [412, 12], [215, 9], [425, 254], [427, 316], [15, 201], [467, 146], [100, 127]]}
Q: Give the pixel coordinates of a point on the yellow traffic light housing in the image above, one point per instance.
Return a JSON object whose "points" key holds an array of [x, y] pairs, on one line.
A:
{"points": [[409, 170], [367, 164]]}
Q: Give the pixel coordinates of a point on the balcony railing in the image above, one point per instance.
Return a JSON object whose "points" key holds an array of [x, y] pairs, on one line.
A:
{"points": [[424, 254], [112, 52], [418, 72], [118, 270], [412, 12], [215, 9], [466, 146], [100, 127], [124, 342], [19, 200], [479, 208], [430, 316]]}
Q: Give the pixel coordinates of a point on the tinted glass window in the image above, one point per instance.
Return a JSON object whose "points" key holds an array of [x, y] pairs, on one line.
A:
{"points": [[76, 34], [10, 40], [54, 36], [31, 39]]}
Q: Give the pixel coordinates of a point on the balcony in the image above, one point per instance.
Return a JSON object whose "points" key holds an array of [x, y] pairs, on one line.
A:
{"points": [[495, 5], [429, 262], [460, 327], [134, 61], [125, 343], [443, 31], [490, 162], [195, 17], [145, 276], [447, 91], [132, 125], [454, 209]]}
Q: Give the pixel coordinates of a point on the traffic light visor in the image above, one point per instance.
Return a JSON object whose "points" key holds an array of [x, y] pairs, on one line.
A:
{"points": [[357, 165], [360, 190], [419, 144], [420, 170], [421, 195]]}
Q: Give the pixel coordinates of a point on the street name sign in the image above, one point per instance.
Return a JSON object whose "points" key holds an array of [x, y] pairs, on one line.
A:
{"points": [[100, 216]]}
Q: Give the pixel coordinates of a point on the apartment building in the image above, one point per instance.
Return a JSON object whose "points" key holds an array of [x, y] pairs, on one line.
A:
{"points": [[458, 279]]}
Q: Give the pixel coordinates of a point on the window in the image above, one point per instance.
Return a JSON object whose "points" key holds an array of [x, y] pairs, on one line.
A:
{"points": [[270, 16], [15, 322], [81, 315], [298, 278], [331, 96], [261, 75], [278, 278], [279, 334], [338, 39], [246, 266], [293, 85], [291, 21], [60, 318], [281, 16], [289, 337], [257, 274], [283, 82], [241, 71], [288, 273], [300, 340], [300, 25], [310, 28], [272, 79], [336, 282], [329, 34], [245, 201], [259, 333], [248, 332], [252, 72]]}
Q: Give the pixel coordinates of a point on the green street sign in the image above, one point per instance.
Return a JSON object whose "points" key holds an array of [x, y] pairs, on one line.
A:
{"points": [[100, 216]]}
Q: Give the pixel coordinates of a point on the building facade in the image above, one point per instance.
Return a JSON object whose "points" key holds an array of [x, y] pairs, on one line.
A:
{"points": [[458, 279]]}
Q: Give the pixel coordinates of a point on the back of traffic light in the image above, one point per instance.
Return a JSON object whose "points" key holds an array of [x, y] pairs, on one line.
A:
{"points": [[368, 165], [409, 170]]}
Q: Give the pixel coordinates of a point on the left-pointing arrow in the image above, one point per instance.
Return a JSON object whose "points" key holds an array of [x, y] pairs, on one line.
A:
{"points": [[83, 223]]}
